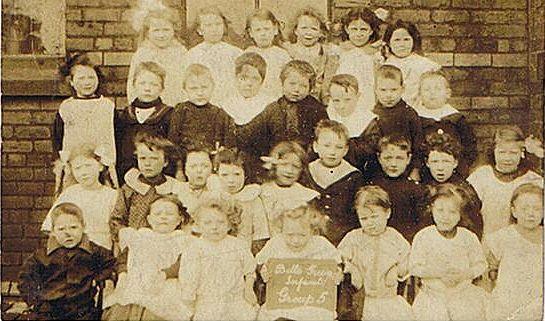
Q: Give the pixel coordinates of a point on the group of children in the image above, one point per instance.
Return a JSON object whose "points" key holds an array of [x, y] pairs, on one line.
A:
{"points": [[184, 207]]}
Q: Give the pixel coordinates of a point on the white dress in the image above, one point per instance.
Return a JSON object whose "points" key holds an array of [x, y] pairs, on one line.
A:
{"points": [[433, 252], [255, 225], [97, 206], [518, 294], [496, 195], [276, 58], [242, 109], [146, 284], [377, 258], [361, 65]]}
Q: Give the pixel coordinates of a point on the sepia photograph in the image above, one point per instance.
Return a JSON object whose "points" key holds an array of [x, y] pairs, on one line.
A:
{"points": [[288, 160]]}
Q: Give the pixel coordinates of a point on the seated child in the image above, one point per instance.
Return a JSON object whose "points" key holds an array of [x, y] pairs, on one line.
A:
{"points": [[377, 256], [150, 288], [447, 258], [59, 281], [217, 271], [334, 178], [515, 257], [197, 168], [298, 239]]}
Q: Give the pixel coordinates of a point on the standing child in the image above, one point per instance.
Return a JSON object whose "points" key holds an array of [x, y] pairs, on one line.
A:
{"points": [[263, 27], [59, 281], [159, 44], [334, 178], [447, 258], [217, 271], [197, 168], [515, 257], [377, 256]]}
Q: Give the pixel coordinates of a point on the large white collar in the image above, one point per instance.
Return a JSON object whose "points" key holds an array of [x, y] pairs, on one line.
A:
{"points": [[171, 186], [436, 114], [325, 176]]}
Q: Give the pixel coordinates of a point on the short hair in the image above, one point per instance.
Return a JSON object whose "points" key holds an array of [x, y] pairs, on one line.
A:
{"points": [[282, 149], [396, 140], [265, 15], [360, 13], [411, 29], [212, 10], [251, 59], [431, 74], [346, 81], [334, 126], [372, 195], [67, 209], [230, 208], [229, 156], [508, 133], [196, 149], [527, 188], [443, 143], [306, 213], [152, 67], [313, 13], [172, 198], [389, 72], [80, 59], [301, 67], [197, 70], [157, 143], [167, 14], [450, 191]]}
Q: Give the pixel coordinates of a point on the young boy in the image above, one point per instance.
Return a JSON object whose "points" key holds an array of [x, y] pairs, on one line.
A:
{"points": [[334, 178], [59, 282], [292, 117]]}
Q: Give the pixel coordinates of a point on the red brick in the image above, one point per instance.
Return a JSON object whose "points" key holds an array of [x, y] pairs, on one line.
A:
{"points": [[10, 272], [79, 29], [455, 16], [476, 4], [115, 88], [7, 131], [101, 14], [52, 104], [118, 29], [509, 60], [23, 188], [16, 159], [40, 159], [435, 30], [17, 202], [16, 245], [489, 102], [117, 58], [104, 43], [392, 3], [519, 102], [508, 87], [509, 4], [33, 231], [116, 72], [18, 118], [11, 258], [73, 15], [43, 146], [472, 59], [504, 31], [43, 118], [460, 103], [15, 216], [32, 132], [17, 146], [38, 216], [432, 3], [17, 174], [444, 59], [79, 43], [12, 231], [19, 103], [83, 3], [499, 17], [44, 174], [43, 202], [124, 44], [438, 44], [412, 15], [116, 3]]}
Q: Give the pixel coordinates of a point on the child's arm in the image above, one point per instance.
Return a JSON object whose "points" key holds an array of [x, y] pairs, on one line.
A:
{"points": [[256, 130], [493, 256], [31, 280], [119, 217], [104, 265], [418, 262], [476, 256]]}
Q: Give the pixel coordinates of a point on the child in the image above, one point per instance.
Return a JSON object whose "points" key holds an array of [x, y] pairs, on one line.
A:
{"points": [[298, 239], [377, 256], [282, 191], [217, 271], [196, 123], [85, 118], [403, 44], [292, 117], [149, 289], [147, 113], [437, 115], [515, 256], [59, 281], [334, 178], [216, 55], [158, 44], [263, 27], [95, 199], [197, 169], [508, 169], [310, 32]]}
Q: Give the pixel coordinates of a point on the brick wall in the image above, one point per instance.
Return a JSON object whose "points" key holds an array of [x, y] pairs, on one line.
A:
{"points": [[482, 44], [536, 54]]}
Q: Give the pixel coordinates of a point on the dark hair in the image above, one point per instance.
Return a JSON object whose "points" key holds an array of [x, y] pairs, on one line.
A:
{"points": [[251, 59], [449, 190], [389, 72], [346, 81], [443, 143], [267, 15], [155, 142], [67, 209], [80, 59], [367, 16], [283, 148], [372, 195], [303, 68], [317, 220], [229, 156], [230, 208], [152, 67], [334, 126], [168, 14], [176, 201], [411, 29], [396, 140], [313, 13]]}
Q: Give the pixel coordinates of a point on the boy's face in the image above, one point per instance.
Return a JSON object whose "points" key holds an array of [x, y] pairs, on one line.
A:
{"points": [[441, 165], [296, 86], [359, 32], [68, 230], [296, 233], [232, 177], [394, 160], [308, 31], [197, 169], [263, 32], [344, 101], [373, 218], [507, 156], [148, 86], [86, 170], [446, 213], [528, 210], [84, 80], [249, 81], [434, 92], [288, 170], [161, 32], [211, 28], [150, 162], [331, 148], [212, 224], [164, 216], [388, 91], [199, 89], [401, 43]]}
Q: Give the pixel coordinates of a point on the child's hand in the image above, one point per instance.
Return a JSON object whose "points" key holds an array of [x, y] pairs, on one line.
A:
{"points": [[534, 146], [265, 274], [339, 276], [109, 287], [390, 279], [355, 274], [249, 294]]}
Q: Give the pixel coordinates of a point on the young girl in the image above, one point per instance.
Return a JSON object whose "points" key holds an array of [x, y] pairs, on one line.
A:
{"points": [[285, 164], [403, 45], [515, 257], [217, 272], [159, 44], [447, 258], [213, 53], [298, 239], [377, 256], [510, 166], [95, 199], [263, 27], [149, 289], [85, 118]]}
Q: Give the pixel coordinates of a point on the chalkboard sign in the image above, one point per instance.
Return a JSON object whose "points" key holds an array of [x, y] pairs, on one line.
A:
{"points": [[299, 283]]}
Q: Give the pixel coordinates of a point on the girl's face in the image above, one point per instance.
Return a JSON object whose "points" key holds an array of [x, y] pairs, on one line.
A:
{"points": [[441, 165], [211, 28], [308, 31], [263, 32], [249, 81], [446, 213], [164, 216], [199, 89], [288, 169], [401, 43], [84, 80], [373, 218], [232, 177], [528, 210], [161, 32], [197, 169], [331, 148], [213, 224], [150, 162], [359, 32], [434, 92], [393, 160], [507, 156], [148, 86], [296, 233], [86, 170], [68, 230], [296, 86]]}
